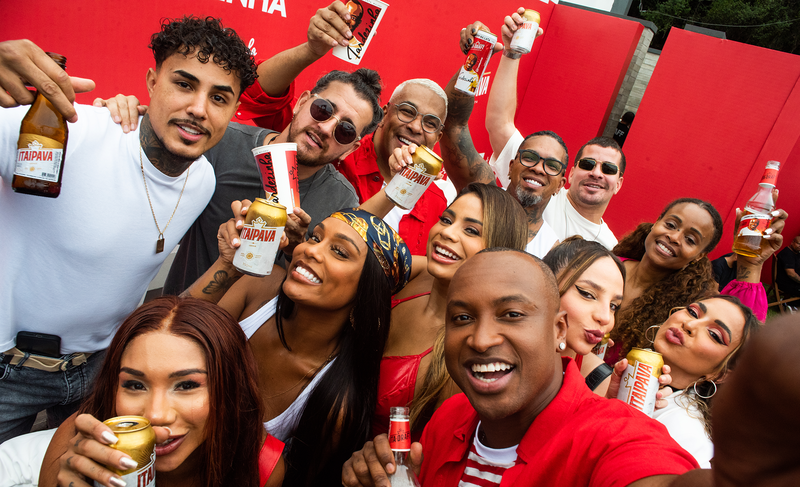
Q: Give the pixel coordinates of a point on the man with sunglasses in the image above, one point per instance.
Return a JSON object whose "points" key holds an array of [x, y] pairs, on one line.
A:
{"points": [[597, 171], [414, 114]]}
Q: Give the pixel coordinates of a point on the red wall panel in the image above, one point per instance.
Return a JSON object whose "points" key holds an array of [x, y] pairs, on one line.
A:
{"points": [[714, 113]]}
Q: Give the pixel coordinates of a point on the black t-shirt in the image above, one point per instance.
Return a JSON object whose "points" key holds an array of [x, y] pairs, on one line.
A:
{"points": [[722, 273], [787, 259]]}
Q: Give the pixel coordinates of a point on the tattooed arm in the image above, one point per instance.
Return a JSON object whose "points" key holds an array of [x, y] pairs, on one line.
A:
{"points": [[461, 161]]}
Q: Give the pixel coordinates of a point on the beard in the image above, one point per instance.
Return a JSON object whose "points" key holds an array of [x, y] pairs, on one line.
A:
{"points": [[527, 199], [303, 158]]}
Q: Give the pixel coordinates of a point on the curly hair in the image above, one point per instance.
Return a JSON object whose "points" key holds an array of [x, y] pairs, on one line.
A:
{"points": [[207, 39], [366, 83], [693, 282]]}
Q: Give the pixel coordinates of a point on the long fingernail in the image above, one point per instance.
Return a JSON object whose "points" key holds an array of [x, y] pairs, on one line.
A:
{"points": [[768, 231], [109, 437], [238, 223], [235, 241], [775, 213], [117, 482], [128, 463]]}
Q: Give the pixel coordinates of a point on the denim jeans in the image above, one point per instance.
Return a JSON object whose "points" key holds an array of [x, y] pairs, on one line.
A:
{"points": [[24, 392]]}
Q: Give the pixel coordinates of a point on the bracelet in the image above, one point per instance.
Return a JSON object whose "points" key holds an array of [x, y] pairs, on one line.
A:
{"points": [[512, 54]]}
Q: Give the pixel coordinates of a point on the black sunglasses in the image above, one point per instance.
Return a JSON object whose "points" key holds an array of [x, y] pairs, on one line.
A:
{"points": [[606, 167], [322, 111], [530, 158]]}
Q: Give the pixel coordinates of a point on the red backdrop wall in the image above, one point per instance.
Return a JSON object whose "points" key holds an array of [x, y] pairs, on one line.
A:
{"points": [[714, 113]]}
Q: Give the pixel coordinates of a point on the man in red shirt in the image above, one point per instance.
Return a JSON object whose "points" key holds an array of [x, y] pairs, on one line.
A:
{"points": [[526, 416], [415, 114]]}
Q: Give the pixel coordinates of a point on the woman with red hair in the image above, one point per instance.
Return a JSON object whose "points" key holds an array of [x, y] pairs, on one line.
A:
{"points": [[185, 365]]}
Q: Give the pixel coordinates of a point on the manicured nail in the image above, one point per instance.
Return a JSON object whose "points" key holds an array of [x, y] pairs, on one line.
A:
{"points": [[776, 213], [128, 463], [348, 34], [235, 241], [473, 31], [768, 231], [109, 437], [238, 223], [117, 482]]}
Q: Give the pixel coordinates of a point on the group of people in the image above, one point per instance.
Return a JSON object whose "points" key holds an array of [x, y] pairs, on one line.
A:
{"points": [[478, 308]]}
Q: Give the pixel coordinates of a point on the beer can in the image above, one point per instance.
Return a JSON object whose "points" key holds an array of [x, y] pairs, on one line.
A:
{"points": [[137, 439], [600, 348], [408, 185], [522, 41], [477, 59], [260, 237], [639, 384]]}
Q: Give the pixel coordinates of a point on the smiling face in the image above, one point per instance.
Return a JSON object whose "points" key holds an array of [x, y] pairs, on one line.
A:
{"points": [[502, 330], [471, 61], [591, 304], [680, 236], [531, 185], [392, 133], [696, 340], [316, 145], [326, 268], [163, 378], [191, 104], [457, 236], [594, 188]]}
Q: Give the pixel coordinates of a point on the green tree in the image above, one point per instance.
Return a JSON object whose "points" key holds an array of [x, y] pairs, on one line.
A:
{"points": [[774, 24]]}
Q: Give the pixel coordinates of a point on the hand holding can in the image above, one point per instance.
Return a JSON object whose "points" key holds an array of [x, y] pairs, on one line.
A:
{"points": [[365, 16], [277, 164], [408, 185]]}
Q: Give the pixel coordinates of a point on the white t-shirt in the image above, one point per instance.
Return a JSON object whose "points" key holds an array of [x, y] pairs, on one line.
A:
{"points": [[77, 265], [685, 426], [542, 242], [21, 458], [563, 218]]}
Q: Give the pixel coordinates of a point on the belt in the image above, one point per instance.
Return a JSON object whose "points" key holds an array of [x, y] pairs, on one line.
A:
{"points": [[39, 362]]}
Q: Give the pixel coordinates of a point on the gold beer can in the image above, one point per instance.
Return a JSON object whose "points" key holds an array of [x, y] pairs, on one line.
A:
{"points": [[522, 41], [408, 185], [639, 383], [600, 348], [260, 237], [137, 439]]}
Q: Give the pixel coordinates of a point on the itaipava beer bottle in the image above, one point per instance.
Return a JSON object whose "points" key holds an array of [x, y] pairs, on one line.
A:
{"points": [[41, 147], [757, 214], [400, 442]]}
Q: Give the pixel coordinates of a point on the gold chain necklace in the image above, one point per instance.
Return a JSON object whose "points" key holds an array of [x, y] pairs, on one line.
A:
{"points": [[315, 370], [160, 241]]}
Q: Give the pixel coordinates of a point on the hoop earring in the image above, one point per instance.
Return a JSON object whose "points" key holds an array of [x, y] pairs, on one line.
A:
{"points": [[676, 308], [694, 388], [647, 333]]}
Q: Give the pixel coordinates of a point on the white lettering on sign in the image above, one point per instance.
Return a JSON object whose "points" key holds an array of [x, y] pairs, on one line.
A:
{"points": [[268, 6]]}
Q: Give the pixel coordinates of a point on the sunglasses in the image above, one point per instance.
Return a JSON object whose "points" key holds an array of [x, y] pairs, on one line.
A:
{"points": [[407, 113], [606, 167], [322, 111], [530, 158]]}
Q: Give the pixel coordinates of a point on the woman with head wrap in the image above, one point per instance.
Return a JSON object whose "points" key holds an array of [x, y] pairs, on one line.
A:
{"points": [[317, 330]]}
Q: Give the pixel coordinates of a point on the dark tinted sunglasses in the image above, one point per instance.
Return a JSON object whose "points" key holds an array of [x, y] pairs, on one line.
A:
{"points": [[322, 111], [606, 167], [530, 158]]}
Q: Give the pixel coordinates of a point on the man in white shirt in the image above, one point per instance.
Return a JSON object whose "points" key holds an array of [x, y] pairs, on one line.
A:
{"points": [[597, 170], [76, 266]]}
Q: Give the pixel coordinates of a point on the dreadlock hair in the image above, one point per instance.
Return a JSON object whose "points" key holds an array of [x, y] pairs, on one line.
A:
{"points": [[208, 40]]}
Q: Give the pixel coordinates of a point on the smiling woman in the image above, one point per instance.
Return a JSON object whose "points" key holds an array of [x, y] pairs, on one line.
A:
{"points": [[166, 363], [318, 331]]}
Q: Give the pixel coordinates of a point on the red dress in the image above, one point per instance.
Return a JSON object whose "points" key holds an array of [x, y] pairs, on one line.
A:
{"points": [[397, 382], [268, 457]]}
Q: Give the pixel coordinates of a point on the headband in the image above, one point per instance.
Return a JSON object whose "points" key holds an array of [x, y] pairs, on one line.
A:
{"points": [[386, 245]]}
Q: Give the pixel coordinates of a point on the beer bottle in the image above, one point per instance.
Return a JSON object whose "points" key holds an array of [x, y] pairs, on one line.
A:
{"points": [[41, 147], [757, 214], [400, 442]]}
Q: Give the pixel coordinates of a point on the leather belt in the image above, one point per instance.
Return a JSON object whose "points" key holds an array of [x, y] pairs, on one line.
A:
{"points": [[39, 362]]}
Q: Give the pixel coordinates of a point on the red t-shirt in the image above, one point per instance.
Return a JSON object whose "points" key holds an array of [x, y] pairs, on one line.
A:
{"points": [[268, 458], [361, 169], [580, 439], [272, 113]]}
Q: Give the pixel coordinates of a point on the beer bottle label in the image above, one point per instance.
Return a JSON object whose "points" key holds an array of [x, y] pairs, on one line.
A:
{"points": [[39, 157], [753, 225], [399, 435], [770, 176]]}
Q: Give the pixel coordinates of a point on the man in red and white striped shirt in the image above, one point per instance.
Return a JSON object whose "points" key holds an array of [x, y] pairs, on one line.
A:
{"points": [[526, 416]]}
